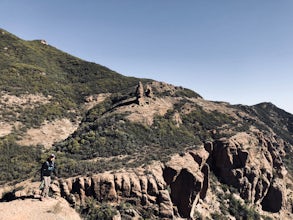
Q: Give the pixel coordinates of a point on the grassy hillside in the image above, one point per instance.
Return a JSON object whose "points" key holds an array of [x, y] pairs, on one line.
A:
{"points": [[124, 129], [33, 67], [30, 67], [105, 139], [104, 134]]}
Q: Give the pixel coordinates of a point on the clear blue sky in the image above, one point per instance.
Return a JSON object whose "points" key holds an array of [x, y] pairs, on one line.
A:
{"points": [[239, 51]]}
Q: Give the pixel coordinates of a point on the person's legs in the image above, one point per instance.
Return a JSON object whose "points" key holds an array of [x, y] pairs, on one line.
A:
{"points": [[47, 181]]}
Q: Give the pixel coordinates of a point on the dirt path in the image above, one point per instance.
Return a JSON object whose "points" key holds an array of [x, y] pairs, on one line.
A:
{"points": [[33, 209]]}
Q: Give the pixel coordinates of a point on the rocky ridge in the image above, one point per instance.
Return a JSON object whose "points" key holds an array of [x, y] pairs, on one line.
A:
{"points": [[247, 162]]}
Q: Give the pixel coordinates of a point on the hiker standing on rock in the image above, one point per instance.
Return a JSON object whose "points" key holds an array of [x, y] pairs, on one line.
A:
{"points": [[47, 169]]}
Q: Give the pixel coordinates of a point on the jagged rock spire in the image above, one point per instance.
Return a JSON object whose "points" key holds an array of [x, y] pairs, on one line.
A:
{"points": [[140, 94], [149, 92]]}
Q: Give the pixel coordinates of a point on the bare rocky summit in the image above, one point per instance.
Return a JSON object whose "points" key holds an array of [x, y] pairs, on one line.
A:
{"points": [[33, 209]]}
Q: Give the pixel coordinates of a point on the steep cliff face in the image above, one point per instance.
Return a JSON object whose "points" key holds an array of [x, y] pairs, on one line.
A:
{"points": [[253, 165], [248, 162], [171, 189]]}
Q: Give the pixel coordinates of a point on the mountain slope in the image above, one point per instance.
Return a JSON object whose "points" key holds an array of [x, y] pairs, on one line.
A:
{"points": [[146, 148], [36, 68]]}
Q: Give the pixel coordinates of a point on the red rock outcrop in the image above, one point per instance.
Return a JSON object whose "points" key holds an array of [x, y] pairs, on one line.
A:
{"points": [[140, 94], [172, 189], [179, 183], [251, 164]]}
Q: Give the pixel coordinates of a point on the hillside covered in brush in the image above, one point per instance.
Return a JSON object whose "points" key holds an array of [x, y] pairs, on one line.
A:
{"points": [[137, 147]]}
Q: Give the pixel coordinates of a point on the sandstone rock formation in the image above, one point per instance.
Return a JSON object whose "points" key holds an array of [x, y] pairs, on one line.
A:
{"points": [[178, 188], [143, 95], [172, 189], [177, 119], [180, 183], [149, 91], [252, 165], [140, 94]]}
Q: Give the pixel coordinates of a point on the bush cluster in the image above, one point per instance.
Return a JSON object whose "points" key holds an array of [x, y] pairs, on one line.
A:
{"points": [[95, 210], [17, 162]]}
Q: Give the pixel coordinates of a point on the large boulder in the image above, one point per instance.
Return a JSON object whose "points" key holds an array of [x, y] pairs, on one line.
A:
{"points": [[186, 177]]}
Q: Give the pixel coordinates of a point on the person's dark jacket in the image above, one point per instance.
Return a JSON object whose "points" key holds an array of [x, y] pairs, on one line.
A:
{"points": [[48, 168]]}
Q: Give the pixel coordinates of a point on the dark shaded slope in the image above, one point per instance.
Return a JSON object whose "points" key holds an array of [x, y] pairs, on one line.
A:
{"points": [[275, 118]]}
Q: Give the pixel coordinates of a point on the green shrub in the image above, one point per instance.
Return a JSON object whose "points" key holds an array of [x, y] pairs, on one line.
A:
{"points": [[241, 211], [17, 162], [93, 210]]}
